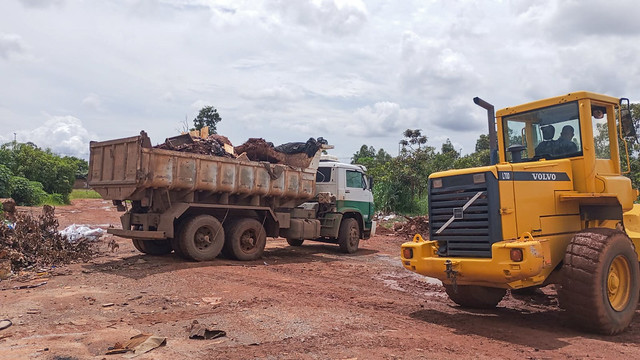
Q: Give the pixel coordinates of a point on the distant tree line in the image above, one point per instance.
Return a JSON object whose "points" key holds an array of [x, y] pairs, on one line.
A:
{"points": [[400, 183], [33, 176]]}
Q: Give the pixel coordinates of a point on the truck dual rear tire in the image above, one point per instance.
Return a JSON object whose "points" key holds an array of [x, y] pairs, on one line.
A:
{"points": [[245, 239], [600, 281], [475, 297], [201, 238], [295, 242], [349, 236]]}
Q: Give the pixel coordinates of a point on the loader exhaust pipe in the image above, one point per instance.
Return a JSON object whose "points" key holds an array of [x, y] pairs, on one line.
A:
{"points": [[493, 136]]}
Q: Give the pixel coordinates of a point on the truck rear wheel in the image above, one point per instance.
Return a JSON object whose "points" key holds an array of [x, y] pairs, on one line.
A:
{"points": [[349, 236], [600, 280], [295, 242], [202, 238], [152, 247], [245, 239], [475, 297]]}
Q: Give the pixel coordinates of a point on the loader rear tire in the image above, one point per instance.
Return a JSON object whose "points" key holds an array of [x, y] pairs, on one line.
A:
{"points": [[475, 297], [152, 247], [245, 239], [202, 238], [600, 281]]}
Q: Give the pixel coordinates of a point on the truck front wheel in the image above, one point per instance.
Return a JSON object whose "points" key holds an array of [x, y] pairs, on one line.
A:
{"points": [[202, 238], [600, 280], [349, 236], [152, 247], [245, 239], [475, 297]]}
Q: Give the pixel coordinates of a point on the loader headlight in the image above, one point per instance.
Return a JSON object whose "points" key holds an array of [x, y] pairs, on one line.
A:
{"points": [[516, 255], [407, 253]]}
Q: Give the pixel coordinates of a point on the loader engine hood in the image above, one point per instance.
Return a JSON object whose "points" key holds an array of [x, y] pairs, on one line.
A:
{"points": [[464, 212]]}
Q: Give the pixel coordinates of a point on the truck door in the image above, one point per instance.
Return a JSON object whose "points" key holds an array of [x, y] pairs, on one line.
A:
{"points": [[358, 194]]}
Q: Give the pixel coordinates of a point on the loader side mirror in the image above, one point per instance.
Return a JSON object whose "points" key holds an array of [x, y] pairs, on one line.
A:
{"points": [[628, 128]]}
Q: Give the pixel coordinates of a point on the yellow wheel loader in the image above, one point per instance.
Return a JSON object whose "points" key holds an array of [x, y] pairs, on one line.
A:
{"points": [[554, 207]]}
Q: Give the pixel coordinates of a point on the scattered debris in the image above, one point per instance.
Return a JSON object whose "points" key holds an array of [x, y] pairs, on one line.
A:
{"points": [[296, 154], [139, 344], [413, 225], [5, 269], [34, 241], [27, 286], [108, 305], [199, 331], [5, 324], [75, 232]]}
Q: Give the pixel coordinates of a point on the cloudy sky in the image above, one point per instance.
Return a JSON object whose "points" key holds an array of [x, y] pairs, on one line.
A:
{"points": [[352, 71]]}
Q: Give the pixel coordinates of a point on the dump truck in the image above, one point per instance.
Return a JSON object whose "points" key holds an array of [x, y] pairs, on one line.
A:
{"points": [[199, 205], [554, 207]]}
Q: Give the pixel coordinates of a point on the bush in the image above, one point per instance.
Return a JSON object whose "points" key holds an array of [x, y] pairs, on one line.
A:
{"points": [[5, 179], [53, 199], [25, 192]]}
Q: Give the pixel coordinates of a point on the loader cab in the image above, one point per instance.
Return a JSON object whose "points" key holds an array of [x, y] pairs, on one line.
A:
{"points": [[580, 126]]}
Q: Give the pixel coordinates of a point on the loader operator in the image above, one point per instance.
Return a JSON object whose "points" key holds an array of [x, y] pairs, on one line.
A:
{"points": [[565, 145], [548, 145]]}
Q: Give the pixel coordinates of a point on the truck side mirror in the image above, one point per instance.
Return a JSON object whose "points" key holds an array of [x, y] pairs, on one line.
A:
{"points": [[628, 128], [371, 183]]}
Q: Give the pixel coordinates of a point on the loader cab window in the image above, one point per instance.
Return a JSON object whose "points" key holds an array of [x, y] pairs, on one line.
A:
{"points": [[548, 133], [600, 132], [323, 175]]}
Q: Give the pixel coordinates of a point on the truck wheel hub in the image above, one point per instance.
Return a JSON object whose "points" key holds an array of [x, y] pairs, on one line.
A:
{"points": [[618, 286]]}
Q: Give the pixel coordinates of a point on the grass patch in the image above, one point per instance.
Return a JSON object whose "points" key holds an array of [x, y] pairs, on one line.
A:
{"points": [[84, 194]]}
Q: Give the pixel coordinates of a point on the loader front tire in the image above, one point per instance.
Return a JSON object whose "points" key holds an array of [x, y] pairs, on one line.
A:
{"points": [[600, 281], [201, 238], [475, 297]]}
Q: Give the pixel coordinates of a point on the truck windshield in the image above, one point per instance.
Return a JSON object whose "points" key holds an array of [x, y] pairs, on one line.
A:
{"points": [[550, 133]]}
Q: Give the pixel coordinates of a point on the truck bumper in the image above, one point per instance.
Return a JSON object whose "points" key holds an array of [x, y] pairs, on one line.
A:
{"points": [[498, 271], [138, 234]]}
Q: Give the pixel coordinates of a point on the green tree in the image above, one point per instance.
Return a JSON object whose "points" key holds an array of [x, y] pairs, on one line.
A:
{"points": [[208, 116], [5, 181]]}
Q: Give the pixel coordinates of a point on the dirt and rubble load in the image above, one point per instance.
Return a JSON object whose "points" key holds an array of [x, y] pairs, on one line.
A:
{"points": [[298, 154], [28, 240], [211, 145], [413, 225]]}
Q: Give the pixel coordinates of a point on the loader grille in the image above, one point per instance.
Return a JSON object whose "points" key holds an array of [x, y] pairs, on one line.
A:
{"points": [[463, 214]]}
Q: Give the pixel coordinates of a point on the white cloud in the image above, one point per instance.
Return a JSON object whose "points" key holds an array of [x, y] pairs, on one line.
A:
{"points": [[12, 46], [381, 119], [337, 17], [64, 135], [94, 101]]}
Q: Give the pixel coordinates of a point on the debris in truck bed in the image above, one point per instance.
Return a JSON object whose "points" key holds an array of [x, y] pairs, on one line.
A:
{"points": [[35, 241], [413, 225], [212, 145], [297, 154]]}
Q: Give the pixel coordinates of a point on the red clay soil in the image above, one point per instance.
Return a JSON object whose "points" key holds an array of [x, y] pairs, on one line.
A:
{"points": [[308, 302]]}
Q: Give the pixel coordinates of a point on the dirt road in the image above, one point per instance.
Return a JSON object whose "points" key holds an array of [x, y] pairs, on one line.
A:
{"points": [[310, 302]]}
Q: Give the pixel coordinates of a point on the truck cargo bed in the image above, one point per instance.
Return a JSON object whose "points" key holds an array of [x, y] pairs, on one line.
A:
{"points": [[123, 169]]}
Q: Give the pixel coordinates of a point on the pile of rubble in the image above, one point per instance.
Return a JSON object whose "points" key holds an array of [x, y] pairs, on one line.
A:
{"points": [[413, 225], [297, 154], [28, 241]]}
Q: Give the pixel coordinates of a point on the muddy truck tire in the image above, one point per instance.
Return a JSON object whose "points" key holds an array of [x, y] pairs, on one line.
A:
{"points": [[245, 239], [152, 247], [475, 297], [295, 242], [600, 281], [349, 236], [201, 238]]}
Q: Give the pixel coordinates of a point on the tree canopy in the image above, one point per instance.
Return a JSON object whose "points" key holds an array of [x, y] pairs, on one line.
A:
{"points": [[208, 116]]}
